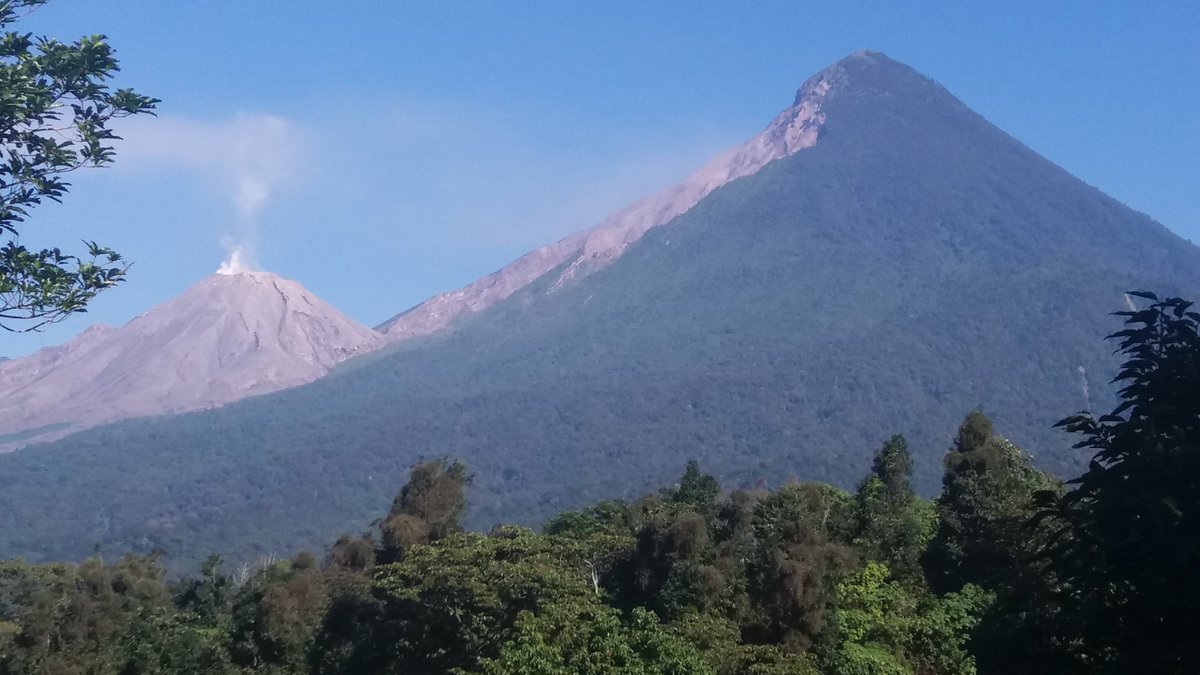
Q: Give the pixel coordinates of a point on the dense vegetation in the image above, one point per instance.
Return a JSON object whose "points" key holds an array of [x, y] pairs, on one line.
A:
{"points": [[915, 264], [1008, 570]]}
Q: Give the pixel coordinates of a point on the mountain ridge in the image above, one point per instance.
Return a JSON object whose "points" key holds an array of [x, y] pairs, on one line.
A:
{"points": [[793, 130]]}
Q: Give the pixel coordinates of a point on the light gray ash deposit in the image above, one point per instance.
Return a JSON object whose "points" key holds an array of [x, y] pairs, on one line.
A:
{"points": [[231, 335]]}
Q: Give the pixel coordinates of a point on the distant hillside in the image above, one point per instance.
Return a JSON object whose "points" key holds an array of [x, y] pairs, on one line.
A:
{"points": [[911, 265]]}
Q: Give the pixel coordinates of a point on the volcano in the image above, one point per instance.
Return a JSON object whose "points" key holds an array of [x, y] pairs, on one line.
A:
{"points": [[229, 336]]}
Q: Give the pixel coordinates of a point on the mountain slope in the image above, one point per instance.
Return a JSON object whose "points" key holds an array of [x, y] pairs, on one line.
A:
{"points": [[912, 264], [793, 130], [227, 337]]}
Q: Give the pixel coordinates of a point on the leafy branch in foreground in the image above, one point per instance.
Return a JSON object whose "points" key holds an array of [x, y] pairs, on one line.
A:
{"points": [[1128, 549], [55, 112], [46, 286]]}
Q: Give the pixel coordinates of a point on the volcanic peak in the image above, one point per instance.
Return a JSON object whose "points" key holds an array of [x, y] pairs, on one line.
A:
{"points": [[229, 336]]}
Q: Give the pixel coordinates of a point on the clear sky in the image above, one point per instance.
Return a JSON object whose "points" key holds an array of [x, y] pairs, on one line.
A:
{"points": [[381, 152]]}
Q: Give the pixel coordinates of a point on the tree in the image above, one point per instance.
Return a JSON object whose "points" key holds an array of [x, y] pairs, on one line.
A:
{"points": [[277, 614], [55, 111], [883, 626], [208, 595], [1129, 552], [449, 604], [987, 501], [892, 525], [670, 569], [799, 559], [158, 642], [66, 619], [696, 489], [587, 638], [428, 508], [720, 640], [986, 537], [611, 516]]}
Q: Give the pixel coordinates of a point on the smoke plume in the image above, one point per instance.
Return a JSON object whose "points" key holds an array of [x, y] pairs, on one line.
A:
{"points": [[236, 261], [250, 158]]}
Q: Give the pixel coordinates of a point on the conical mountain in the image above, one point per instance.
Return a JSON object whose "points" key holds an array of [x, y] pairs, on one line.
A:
{"points": [[227, 337], [906, 263]]}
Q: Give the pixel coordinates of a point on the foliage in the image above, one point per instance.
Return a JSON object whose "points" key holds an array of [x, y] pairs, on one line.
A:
{"points": [[427, 509], [987, 501], [276, 614], [1019, 576], [1129, 545], [163, 642], [696, 489], [801, 553], [893, 525], [593, 640], [451, 603], [62, 618], [607, 516], [55, 110], [719, 640], [679, 583], [987, 536], [884, 626]]}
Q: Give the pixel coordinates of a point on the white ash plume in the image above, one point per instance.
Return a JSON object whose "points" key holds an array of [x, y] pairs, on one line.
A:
{"points": [[238, 261], [250, 158]]}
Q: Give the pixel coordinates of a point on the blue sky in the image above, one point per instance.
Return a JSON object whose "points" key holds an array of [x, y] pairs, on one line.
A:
{"points": [[381, 152]]}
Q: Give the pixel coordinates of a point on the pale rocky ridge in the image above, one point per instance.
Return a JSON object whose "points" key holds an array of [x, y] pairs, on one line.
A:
{"points": [[796, 128], [227, 337]]}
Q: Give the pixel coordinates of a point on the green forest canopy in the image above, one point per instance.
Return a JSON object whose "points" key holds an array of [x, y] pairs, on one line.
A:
{"points": [[1008, 570]]}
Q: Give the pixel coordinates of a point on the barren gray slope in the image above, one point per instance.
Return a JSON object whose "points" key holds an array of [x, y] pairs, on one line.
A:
{"points": [[227, 337]]}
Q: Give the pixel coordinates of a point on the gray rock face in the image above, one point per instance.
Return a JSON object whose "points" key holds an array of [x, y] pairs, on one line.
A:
{"points": [[227, 337], [793, 130]]}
